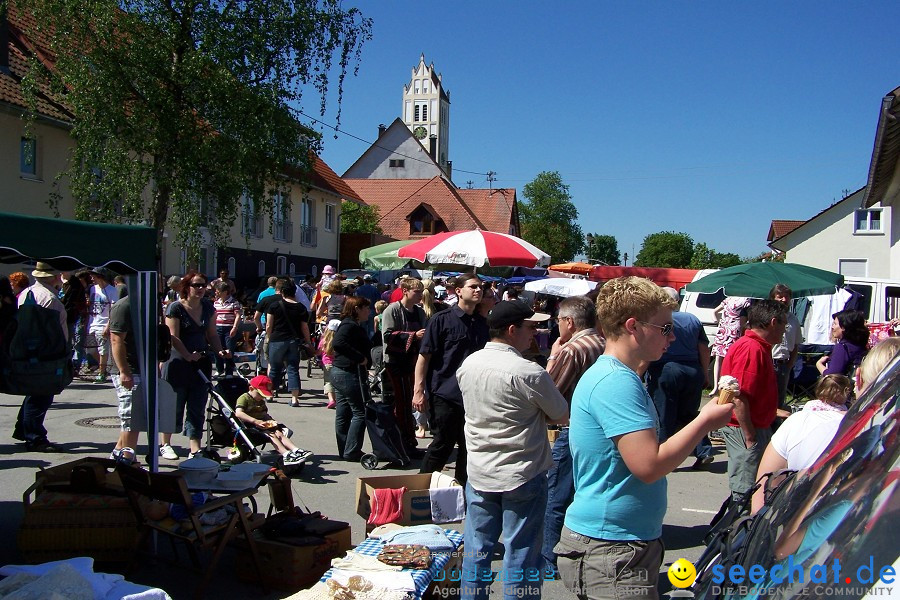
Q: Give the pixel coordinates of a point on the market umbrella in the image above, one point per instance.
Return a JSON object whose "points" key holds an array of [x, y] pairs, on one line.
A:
{"points": [[755, 280], [577, 268], [560, 286], [383, 257], [476, 248]]}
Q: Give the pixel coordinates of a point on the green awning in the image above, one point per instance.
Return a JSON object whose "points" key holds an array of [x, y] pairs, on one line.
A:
{"points": [[67, 244]]}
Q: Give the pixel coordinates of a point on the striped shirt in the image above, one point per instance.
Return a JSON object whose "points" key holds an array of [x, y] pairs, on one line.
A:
{"points": [[225, 311], [574, 358]]}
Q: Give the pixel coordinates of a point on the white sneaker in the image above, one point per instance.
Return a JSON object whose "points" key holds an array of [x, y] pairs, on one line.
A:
{"points": [[296, 457], [166, 451]]}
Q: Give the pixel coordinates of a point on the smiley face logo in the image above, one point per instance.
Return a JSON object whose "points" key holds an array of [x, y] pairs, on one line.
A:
{"points": [[682, 573]]}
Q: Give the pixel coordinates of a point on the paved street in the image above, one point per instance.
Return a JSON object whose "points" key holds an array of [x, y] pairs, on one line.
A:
{"points": [[326, 484]]}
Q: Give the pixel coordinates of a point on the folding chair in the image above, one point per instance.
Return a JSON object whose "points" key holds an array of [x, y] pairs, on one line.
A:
{"points": [[171, 488]]}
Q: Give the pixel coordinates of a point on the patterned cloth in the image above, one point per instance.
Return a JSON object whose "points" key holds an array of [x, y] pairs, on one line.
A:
{"points": [[422, 578], [729, 324]]}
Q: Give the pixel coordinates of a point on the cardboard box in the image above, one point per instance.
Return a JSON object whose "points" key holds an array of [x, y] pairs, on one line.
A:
{"points": [[552, 435], [416, 503], [288, 567]]}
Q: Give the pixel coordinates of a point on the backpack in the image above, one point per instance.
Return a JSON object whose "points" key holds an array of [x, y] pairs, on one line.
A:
{"points": [[35, 357]]}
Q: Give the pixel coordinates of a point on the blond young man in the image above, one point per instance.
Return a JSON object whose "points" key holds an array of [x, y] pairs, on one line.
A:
{"points": [[610, 545]]}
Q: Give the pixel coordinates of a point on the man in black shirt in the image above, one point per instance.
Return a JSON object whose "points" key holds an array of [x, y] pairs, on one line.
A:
{"points": [[128, 381], [450, 337]]}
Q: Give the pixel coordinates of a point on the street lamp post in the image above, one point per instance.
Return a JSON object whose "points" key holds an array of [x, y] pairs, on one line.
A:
{"points": [[590, 246]]}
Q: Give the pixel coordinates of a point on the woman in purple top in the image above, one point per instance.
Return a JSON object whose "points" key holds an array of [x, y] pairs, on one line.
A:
{"points": [[850, 334]]}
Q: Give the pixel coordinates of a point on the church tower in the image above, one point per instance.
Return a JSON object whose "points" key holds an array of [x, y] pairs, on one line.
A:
{"points": [[426, 111]]}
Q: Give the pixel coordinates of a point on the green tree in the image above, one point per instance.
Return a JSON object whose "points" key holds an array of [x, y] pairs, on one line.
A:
{"points": [[193, 103], [666, 249], [359, 218], [603, 249], [549, 219], [705, 257]]}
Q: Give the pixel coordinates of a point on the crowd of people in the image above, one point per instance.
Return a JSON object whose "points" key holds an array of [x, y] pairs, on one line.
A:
{"points": [[621, 380]]}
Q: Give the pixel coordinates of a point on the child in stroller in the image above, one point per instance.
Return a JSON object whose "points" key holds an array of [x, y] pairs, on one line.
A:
{"points": [[251, 409]]}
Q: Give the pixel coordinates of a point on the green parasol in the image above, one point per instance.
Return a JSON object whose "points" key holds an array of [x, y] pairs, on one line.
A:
{"points": [[383, 257], [755, 280]]}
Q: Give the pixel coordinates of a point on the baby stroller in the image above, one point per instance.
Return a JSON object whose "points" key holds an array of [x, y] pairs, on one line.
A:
{"points": [[225, 430], [387, 444]]}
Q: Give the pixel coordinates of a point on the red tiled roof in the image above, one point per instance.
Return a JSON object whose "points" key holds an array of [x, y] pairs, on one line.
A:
{"points": [[458, 209], [21, 50], [781, 228], [324, 178]]}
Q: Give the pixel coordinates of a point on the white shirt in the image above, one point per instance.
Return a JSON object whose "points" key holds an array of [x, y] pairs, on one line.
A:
{"points": [[803, 437], [508, 401], [99, 303], [793, 337]]}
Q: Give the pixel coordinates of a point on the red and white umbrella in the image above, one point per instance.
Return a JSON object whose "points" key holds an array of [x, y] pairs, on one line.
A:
{"points": [[476, 248]]}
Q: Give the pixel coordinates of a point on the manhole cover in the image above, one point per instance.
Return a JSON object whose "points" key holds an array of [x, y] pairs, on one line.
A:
{"points": [[100, 422]]}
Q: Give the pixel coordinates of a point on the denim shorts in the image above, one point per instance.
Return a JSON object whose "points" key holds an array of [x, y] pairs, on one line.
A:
{"points": [[593, 568]]}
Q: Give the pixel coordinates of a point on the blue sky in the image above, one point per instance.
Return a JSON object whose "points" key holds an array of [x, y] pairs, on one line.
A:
{"points": [[711, 118]]}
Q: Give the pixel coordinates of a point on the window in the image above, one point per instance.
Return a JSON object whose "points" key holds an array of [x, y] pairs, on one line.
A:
{"points": [[292, 269], [416, 86], [424, 86], [28, 157], [232, 267], [416, 113], [892, 302], [261, 268], [853, 267], [282, 228], [867, 221], [424, 112], [307, 221], [397, 163], [281, 265], [251, 223], [329, 217]]}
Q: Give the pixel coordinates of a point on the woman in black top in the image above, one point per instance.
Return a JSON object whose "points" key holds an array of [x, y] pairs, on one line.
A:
{"points": [[192, 322], [286, 328], [349, 378]]}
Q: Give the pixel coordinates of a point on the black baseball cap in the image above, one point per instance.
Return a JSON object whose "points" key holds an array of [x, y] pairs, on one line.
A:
{"points": [[508, 312]]}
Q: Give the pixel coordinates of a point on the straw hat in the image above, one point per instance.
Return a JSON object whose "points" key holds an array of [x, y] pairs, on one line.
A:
{"points": [[42, 269]]}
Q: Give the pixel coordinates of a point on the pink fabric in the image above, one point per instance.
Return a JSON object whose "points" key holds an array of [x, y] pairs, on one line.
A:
{"points": [[387, 506]]}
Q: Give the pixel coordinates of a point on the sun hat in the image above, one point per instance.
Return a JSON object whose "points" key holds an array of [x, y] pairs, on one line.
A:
{"points": [[42, 269], [328, 270], [263, 384]]}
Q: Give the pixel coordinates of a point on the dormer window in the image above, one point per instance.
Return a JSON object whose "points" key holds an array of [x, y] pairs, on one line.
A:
{"points": [[425, 221]]}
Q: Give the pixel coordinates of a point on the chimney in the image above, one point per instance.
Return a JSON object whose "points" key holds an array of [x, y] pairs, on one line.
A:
{"points": [[381, 129], [4, 40], [449, 170], [432, 146]]}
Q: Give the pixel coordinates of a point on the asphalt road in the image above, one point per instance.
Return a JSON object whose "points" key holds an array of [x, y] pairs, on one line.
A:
{"points": [[326, 483]]}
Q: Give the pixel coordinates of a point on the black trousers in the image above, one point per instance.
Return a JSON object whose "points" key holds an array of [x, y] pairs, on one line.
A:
{"points": [[447, 420]]}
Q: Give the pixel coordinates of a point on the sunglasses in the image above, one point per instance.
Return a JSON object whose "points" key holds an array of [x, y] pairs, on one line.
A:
{"points": [[663, 329], [198, 285]]}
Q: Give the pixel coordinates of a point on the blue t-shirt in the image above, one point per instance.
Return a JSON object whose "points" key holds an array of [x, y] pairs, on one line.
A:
{"points": [[610, 502], [688, 334]]}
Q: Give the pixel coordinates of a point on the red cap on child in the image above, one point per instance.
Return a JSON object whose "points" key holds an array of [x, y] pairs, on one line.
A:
{"points": [[263, 384]]}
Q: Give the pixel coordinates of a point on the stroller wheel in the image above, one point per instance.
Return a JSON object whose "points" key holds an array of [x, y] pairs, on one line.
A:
{"points": [[210, 454], [244, 369], [369, 461]]}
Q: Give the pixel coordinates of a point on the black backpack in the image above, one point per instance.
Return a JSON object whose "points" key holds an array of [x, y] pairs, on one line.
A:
{"points": [[35, 357]]}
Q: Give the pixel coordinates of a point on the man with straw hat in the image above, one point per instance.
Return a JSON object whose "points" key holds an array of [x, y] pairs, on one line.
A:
{"points": [[30, 420]]}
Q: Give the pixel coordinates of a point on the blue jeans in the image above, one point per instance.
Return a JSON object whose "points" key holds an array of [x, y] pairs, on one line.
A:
{"points": [[228, 342], [350, 413], [29, 426], [560, 493], [279, 353], [517, 514], [676, 389]]}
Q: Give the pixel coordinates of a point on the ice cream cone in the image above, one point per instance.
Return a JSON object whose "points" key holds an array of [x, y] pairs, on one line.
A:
{"points": [[726, 397]]}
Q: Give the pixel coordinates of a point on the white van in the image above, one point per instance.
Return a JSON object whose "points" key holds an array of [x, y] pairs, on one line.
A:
{"points": [[703, 305]]}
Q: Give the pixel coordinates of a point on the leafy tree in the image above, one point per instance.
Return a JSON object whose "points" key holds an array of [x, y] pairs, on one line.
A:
{"points": [[706, 258], [765, 257], [603, 249], [360, 218], [192, 103], [549, 218], [666, 249]]}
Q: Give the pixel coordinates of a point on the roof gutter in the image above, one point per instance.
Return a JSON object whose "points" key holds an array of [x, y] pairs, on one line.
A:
{"points": [[884, 118]]}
